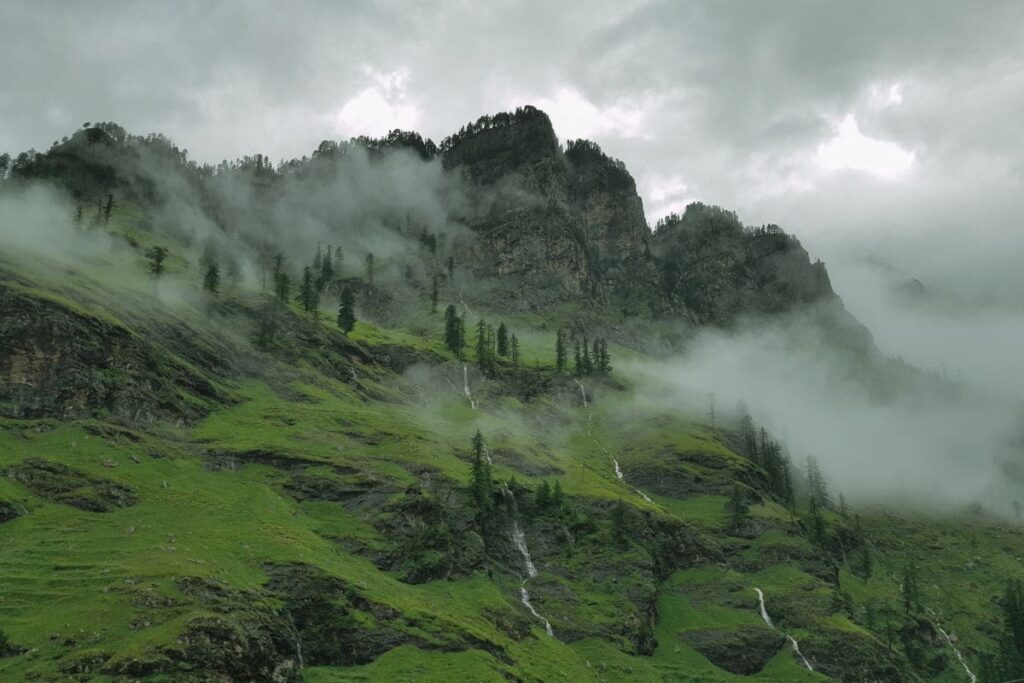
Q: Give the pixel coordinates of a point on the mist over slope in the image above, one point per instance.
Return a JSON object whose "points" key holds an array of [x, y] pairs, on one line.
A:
{"points": [[460, 479]]}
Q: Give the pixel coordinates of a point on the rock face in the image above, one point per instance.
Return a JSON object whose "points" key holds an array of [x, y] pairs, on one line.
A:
{"points": [[554, 225], [57, 361], [742, 651], [63, 484]]}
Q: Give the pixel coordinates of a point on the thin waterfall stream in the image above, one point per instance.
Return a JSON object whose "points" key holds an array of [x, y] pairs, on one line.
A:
{"points": [[519, 539], [792, 641]]}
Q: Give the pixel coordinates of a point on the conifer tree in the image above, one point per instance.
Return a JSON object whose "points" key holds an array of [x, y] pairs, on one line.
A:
{"points": [[157, 256], [433, 295], [482, 347], [108, 208], [211, 280], [737, 506], [78, 217], [453, 338], [865, 562], [347, 310], [451, 268], [326, 274], [283, 287], [481, 486], [557, 496], [619, 523], [516, 359], [369, 267], [503, 340], [577, 359], [560, 351], [588, 364], [909, 589], [543, 496], [308, 297]]}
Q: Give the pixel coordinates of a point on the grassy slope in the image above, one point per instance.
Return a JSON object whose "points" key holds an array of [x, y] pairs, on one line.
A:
{"points": [[72, 579]]}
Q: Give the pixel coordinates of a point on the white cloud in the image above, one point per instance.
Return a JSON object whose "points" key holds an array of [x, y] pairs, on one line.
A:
{"points": [[575, 116], [850, 149], [383, 106]]}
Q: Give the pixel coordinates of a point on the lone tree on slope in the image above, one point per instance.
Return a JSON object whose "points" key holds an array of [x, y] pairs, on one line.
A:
{"points": [[346, 310]]}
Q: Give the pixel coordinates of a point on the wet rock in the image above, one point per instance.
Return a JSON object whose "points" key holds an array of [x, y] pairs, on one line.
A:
{"points": [[62, 362], [743, 650], [849, 656], [8, 511], [62, 484]]}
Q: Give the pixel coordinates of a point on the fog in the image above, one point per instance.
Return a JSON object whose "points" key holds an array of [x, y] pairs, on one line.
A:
{"points": [[944, 438]]}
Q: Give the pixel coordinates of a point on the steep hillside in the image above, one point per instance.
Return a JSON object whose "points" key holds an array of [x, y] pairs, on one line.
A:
{"points": [[205, 479]]}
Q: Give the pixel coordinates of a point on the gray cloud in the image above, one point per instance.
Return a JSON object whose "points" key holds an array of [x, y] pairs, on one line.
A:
{"points": [[727, 103]]}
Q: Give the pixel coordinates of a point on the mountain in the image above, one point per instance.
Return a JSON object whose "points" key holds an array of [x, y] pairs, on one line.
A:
{"points": [[205, 479]]}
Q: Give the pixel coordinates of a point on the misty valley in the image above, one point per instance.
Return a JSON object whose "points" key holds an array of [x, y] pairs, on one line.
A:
{"points": [[405, 410]]}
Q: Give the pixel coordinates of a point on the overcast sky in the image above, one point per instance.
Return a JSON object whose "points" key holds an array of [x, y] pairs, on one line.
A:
{"points": [[845, 122]]}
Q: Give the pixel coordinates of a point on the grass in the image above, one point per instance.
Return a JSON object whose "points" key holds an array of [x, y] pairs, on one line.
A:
{"points": [[212, 503]]}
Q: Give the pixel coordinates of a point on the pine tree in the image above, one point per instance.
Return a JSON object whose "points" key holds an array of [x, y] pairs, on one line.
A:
{"points": [[283, 287], [516, 359], [503, 340], [737, 506], [433, 295], [865, 563], [451, 268], [588, 364], [543, 495], [482, 347], [481, 486], [308, 297], [453, 338], [108, 208], [577, 359], [347, 310], [557, 496], [619, 523], [816, 522], [78, 217], [157, 256], [326, 275], [911, 594], [369, 267], [266, 328], [560, 353], [817, 487], [211, 280]]}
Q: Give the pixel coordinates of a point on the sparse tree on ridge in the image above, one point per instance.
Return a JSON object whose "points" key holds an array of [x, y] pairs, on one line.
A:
{"points": [[560, 351], [157, 255], [308, 297], [453, 331], [346, 310], [516, 358], [433, 294], [108, 208], [503, 340], [211, 280], [369, 267], [481, 485]]}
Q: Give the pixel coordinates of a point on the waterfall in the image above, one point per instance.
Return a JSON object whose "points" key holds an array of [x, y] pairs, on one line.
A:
{"points": [[465, 386], [519, 538], [618, 470], [487, 454], [524, 597], [791, 639], [583, 393], [959, 656]]}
